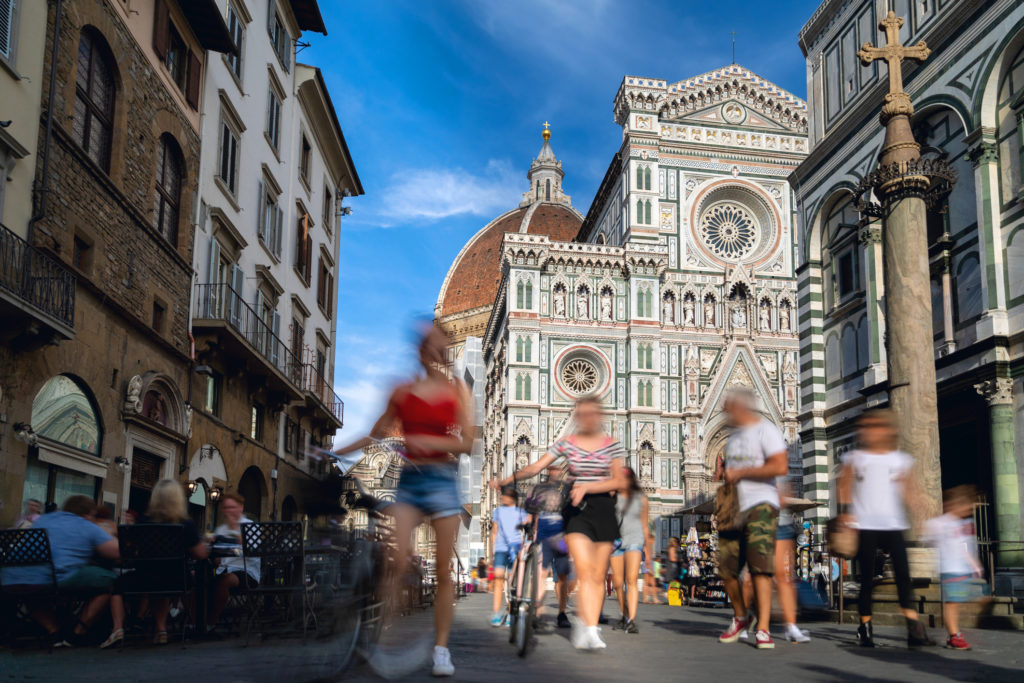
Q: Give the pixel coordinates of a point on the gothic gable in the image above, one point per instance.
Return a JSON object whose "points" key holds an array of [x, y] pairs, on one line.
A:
{"points": [[731, 112]]}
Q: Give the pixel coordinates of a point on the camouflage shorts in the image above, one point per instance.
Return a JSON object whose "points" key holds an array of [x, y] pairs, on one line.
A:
{"points": [[753, 545]]}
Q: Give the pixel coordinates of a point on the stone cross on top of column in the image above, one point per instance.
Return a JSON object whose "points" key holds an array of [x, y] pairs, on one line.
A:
{"points": [[897, 101]]}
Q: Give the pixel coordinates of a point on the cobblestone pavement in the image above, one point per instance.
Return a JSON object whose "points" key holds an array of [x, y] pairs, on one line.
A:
{"points": [[673, 644]]}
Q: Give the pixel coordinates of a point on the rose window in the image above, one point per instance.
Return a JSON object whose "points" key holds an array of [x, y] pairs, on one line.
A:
{"points": [[728, 231], [579, 376]]}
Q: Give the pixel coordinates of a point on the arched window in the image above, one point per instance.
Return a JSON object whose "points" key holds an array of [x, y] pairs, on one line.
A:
{"points": [[639, 211], [647, 212], [650, 357], [520, 294], [833, 369], [64, 413], [519, 349], [648, 303], [650, 394], [968, 288], [1015, 264], [547, 190], [528, 355], [647, 178], [538, 189], [529, 295], [639, 304], [639, 178], [95, 86], [169, 172], [863, 343], [527, 392], [848, 342], [519, 387]]}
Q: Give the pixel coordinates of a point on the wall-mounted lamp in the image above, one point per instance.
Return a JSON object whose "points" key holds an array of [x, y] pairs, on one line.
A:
{"points": [[192, 485], [215, 494], [204, 370], [122, 463]]}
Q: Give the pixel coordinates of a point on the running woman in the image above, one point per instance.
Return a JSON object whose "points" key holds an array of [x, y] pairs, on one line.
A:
{"points": [[875, 489], [595, 463], [436, 417], [631, 508]]}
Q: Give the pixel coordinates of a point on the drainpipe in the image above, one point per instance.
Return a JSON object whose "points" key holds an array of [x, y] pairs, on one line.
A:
{"points": [[42, 186]]}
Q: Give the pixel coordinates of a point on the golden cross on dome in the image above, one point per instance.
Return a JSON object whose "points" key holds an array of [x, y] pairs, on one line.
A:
{"points": [[547, 131], [893, 53]]}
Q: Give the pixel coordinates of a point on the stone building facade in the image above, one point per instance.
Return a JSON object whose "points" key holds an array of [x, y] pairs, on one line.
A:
{"points": [[103, 412], [276, 169], [969, 111], [680, 283]]}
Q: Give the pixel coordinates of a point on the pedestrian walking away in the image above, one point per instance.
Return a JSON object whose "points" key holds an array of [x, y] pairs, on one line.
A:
{"points": [[875, 490], [595, 464], [436, 418], [631, 508]]}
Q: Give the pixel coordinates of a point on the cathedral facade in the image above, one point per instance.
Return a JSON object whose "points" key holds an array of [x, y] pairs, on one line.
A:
{"points": [[680, 282]]}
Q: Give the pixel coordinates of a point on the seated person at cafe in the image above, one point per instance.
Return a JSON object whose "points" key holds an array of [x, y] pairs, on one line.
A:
{"points": [[167, 505], [75, 541], [232, 572]]}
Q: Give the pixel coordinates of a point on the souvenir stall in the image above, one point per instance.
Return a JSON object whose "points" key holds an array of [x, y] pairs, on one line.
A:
{"points": [[700, 552]]}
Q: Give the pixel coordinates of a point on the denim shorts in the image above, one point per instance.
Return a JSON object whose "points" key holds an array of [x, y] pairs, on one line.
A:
{"points": [[621, 550], [431, 489], [503, 559], [785, 532]]}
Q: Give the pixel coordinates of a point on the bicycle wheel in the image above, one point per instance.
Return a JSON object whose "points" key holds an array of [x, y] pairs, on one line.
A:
{"points": [[527, 605], [512, 594]]}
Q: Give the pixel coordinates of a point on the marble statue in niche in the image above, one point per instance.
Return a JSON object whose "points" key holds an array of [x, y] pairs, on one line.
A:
{"points": [[559, 301], [668, 310], [583, 304], [765, 316], [606, 305], [688, 311], [709, 312]]}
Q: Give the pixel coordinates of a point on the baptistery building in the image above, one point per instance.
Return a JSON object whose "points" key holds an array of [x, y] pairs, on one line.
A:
{"points": [[678, 283]]}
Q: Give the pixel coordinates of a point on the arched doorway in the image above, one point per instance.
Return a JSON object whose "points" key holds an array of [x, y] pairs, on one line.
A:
{"points": [[289, 510], [251, 487]]}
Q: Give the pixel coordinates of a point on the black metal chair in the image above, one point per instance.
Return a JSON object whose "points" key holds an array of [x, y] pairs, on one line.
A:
{"points": [[278, 547], [25, 548], [153, 562]]}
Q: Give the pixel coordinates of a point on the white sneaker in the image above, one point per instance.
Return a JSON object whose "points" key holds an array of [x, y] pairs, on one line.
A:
{"points": [[442, 662], [796, 635], [594, 639], [580, 637]]}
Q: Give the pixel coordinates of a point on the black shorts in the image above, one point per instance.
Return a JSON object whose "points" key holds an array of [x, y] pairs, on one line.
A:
{"points": [[595, 518]]}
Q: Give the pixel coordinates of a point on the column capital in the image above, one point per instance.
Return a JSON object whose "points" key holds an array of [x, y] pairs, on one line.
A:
{"points": [[870, 234], [998, 391], [984, 152]]}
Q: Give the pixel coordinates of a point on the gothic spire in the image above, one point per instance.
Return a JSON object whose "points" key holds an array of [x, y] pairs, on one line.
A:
{"points": [[545, 175]]}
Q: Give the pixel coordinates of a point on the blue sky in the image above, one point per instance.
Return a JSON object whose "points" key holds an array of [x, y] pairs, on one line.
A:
{"points": [[442, 104]]}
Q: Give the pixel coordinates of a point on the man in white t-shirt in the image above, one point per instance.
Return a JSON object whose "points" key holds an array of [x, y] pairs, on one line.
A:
{"points": [[755, 455]]}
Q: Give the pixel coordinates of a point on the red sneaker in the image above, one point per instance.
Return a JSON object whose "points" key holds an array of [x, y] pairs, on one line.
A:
{"points": [[732, 634], [764, 640], [957, 642]]}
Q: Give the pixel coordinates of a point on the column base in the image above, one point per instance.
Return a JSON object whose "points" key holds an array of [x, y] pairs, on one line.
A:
{"points": [[992, 324]]}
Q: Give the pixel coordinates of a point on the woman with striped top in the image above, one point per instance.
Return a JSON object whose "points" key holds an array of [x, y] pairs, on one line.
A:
{"points": [[595, 464]]}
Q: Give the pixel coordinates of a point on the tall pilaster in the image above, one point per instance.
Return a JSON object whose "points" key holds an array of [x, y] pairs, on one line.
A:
{"points": [[985, 158], [998, 393]]}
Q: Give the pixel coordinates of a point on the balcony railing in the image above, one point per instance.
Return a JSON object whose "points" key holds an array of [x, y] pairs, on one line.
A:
{"points": [[221, 302], [35, 278], [313, 382]]}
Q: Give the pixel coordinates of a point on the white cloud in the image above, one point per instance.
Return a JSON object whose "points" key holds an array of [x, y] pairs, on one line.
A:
{"points": [[434, 193]]}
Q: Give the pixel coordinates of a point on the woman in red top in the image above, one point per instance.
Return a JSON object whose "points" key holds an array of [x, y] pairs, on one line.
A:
{"points": [[436, 418]]}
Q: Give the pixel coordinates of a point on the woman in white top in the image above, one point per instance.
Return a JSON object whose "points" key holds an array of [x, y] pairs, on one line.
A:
{"points": [[874, 488]]}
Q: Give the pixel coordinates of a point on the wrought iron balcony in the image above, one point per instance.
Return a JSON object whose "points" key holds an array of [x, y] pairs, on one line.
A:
{"points": [[35, 288], [315, 383], [220, 306]]}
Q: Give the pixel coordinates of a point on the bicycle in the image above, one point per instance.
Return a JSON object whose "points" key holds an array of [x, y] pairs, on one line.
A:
{"points": [[521, 590]]}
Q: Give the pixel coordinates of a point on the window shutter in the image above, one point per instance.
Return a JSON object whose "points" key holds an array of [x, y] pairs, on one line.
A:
{"points": [[161, 29], [6, 27], [261, 213], [237, 283], [275, 341], [262, 338], [278, 229], [210, 304], [270, 16], [330, 296], [195, 72], [309, 256], [320, 284]]}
